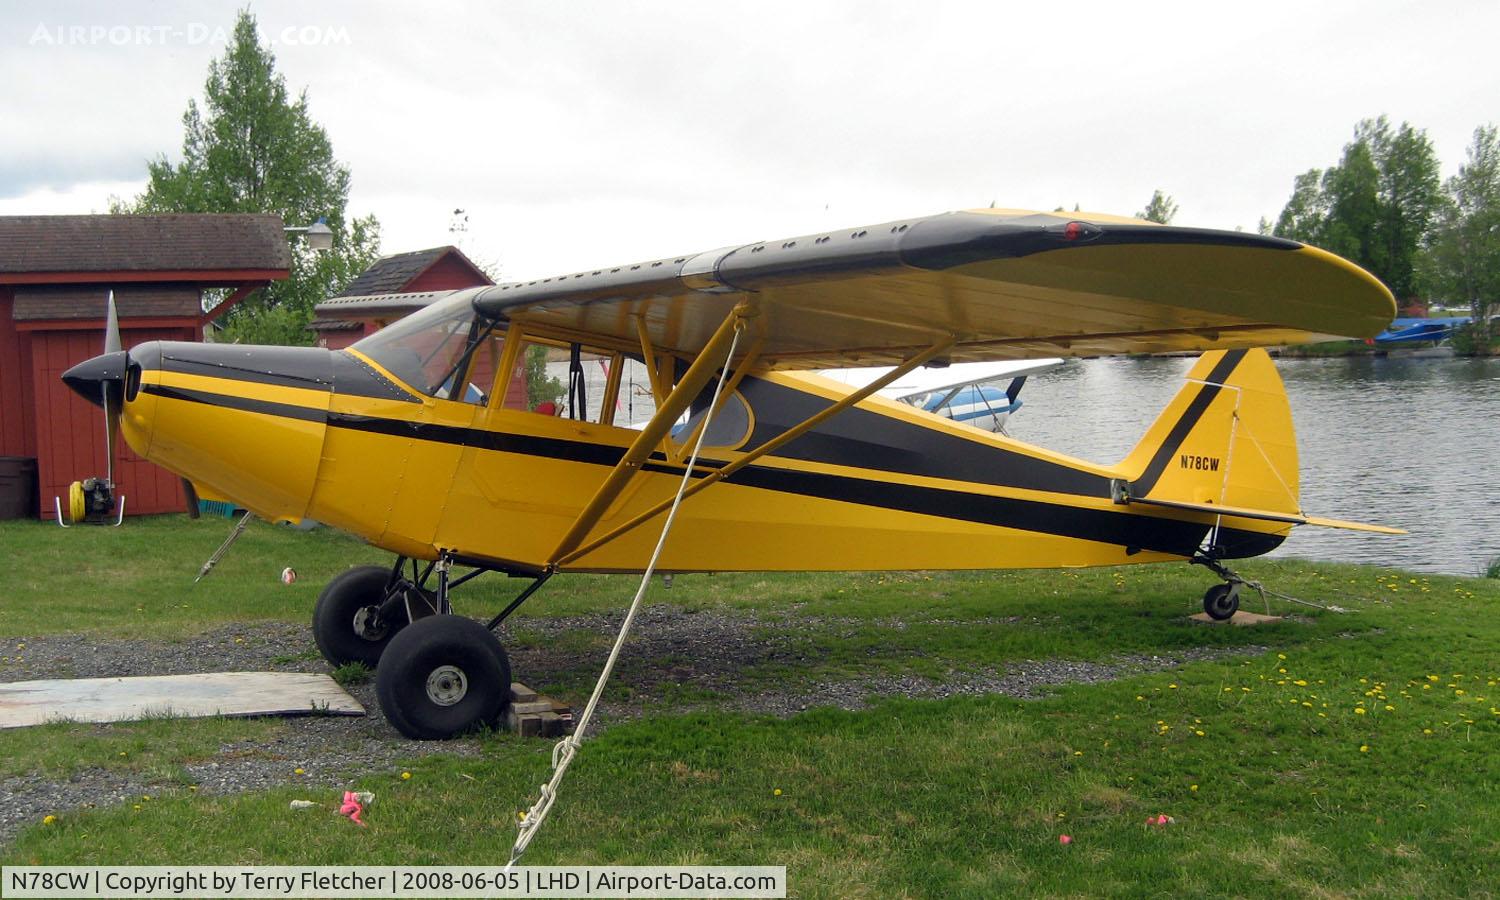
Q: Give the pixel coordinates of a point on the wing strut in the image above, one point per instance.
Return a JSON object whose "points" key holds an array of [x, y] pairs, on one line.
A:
{"points": [[713, 355], [565, 555]]}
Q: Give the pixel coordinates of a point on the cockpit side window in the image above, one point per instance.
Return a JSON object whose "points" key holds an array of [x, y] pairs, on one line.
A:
{"points": [[433, 351], [730, 426], [571, 381]]}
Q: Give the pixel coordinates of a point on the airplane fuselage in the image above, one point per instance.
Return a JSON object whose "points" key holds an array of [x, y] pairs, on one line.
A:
{"points": [[294, 433]]}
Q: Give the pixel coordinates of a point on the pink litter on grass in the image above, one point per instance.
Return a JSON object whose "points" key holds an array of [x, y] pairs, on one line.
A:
{"points": [[352, 808], [1065, 839]]}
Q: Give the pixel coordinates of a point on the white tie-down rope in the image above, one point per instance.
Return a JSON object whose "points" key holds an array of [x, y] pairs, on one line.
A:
{"points": [[567, 748]]}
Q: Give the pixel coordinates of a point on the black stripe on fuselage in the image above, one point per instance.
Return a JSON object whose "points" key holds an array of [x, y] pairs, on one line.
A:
{"points": [[247, 404], [1136, 532], [1185, 425], [507, 442], [869, 440], [1125, 529]]}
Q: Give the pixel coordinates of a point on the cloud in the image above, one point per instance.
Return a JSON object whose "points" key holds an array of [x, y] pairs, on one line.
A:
{"points": [[586, 133]]}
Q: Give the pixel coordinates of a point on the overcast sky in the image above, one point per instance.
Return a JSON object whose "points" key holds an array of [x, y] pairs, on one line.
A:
{"points": [[577, 135]]}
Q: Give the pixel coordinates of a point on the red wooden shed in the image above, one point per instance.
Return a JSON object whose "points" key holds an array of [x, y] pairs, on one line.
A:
{"points": [[55, 273], [345, 318]]}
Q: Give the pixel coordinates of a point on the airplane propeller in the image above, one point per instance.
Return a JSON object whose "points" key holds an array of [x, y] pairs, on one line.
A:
{"points": [[101, 380], [112, 405]]}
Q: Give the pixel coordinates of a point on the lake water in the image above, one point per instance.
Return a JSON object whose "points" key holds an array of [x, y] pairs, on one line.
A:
{"points": [[1413, 443]]}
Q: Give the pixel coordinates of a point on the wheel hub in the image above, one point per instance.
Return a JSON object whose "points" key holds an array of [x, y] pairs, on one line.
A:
{"points": [[368, 623], [447, 685]]}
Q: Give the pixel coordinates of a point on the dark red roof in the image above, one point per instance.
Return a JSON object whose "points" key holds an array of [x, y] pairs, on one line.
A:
{"points": [[392, 274], [131, 301], [131, 243]]}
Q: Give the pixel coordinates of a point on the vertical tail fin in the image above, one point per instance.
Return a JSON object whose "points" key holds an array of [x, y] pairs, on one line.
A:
{"points": [[1226, 439]]}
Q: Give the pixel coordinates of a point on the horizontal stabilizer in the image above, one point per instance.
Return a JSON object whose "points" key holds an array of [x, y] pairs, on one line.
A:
{"points": [[1266, 515], [1353, 526]]}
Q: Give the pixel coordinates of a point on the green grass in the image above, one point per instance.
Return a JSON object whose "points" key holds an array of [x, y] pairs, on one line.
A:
{"points": [[1288, 789], [155, 748]]}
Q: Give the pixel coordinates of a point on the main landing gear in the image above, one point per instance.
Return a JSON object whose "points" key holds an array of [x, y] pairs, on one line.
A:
{"points": [[437, 674], [1222, 600]]}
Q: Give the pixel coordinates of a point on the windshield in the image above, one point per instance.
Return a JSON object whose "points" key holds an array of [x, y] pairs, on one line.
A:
{"points": [[426, 348]]}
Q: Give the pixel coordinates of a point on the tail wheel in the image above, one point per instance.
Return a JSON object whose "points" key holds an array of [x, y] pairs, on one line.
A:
{"points": [[442, 676], [1221, 601], [352, 622]]}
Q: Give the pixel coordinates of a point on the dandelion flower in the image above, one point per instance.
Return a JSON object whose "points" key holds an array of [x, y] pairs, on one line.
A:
{"points": [[1364, 748], [50, 820], [1359, 710], [299, 771], [406, 776], [776, 793], [1192, 787]]}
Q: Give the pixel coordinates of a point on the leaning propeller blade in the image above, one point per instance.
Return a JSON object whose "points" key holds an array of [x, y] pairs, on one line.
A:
{"points": [[111, 413], [111, 327]]}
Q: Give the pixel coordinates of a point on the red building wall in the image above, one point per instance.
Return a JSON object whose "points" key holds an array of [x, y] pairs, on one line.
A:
{"points": [[447, 274], [15, 388], [67, 452]]}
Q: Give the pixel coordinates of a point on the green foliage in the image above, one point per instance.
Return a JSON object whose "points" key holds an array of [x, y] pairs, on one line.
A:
{"points": [[540, 387], [1162, 209], [1375, 207], [252, 148], [352, 673], [1462, 263]]}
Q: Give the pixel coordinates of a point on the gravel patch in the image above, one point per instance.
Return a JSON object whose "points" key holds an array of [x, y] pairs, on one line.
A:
{"points": [[670, 649]]}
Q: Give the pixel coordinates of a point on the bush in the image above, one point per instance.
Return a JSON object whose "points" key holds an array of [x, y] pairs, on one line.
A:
{"points": [[1466, 342]]}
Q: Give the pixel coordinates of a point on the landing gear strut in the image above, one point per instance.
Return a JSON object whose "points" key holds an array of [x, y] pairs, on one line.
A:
{"points": [[361, 610], [1221, 601], [437, 674]]}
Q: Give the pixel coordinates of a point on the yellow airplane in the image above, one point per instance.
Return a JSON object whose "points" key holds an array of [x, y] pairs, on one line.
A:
{"points": [[432, 438]]}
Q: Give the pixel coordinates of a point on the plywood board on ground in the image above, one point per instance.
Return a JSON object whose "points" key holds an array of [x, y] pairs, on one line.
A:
{"points": [[186, 696], [1239, 618]]}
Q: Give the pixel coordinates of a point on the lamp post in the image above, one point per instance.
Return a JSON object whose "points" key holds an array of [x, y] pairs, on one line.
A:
{"points": [[319, 235]]}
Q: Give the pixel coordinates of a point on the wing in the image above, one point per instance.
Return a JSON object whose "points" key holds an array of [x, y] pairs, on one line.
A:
{"points": [[1004, 284]]}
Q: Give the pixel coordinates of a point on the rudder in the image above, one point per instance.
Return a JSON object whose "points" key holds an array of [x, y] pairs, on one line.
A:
{"points": [[1226, 439]]}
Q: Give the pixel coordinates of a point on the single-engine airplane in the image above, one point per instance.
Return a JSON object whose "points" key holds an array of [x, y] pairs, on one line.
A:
{"points": [[422, 440]]}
